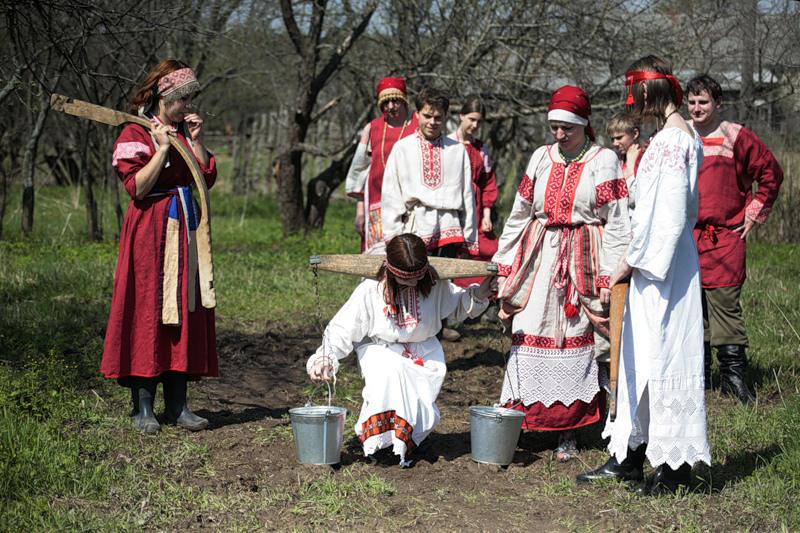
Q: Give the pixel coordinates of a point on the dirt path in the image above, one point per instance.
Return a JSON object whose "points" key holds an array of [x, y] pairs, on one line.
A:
{"points": [[251, 449]]}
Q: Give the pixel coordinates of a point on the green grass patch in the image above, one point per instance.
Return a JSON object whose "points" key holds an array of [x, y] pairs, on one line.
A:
{"points": [[70, 461]]}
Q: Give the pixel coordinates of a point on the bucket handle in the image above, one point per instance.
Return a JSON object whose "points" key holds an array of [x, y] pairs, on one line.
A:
{"points": [[331, 392]]}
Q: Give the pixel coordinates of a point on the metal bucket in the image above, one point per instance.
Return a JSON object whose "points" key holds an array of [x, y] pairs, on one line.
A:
{"points": [[318, 433], [494, 432]]}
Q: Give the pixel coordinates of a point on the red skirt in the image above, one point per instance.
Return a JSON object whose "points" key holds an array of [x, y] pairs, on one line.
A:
{"points": [[559, 417]]}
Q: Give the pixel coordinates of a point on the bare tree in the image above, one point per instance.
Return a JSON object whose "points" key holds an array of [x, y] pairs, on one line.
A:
{"points": [[311, 79]]}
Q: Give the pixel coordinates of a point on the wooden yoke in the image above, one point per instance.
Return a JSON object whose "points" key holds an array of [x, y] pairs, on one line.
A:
{"points": [[79, 108], [368, 266], [619, 293]]}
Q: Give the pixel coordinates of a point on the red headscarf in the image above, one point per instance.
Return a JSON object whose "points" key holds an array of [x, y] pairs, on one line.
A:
{"points": [[636, 76], [571, 104], [391, 89]]}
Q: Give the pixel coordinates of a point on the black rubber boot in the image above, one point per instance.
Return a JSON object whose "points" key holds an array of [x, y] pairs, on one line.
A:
{"points": [[143, 390], [733, 372], [630, 469], [707, 359], [666, 481], [177, 412]]}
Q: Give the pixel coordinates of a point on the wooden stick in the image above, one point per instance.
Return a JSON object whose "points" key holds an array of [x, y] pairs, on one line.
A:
{"points": [[619, 293], [367, 266], [79, 108]]}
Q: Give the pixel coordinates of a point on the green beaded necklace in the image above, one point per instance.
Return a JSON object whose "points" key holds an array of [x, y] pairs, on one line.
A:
{"points": [[569, 160]]}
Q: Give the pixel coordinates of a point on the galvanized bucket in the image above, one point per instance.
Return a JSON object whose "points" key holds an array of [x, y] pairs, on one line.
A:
{"points": [[318, 433], [494, 432]]}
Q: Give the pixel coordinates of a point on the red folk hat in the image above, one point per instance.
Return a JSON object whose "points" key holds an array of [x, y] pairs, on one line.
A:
{"points": [[392, 89], [571, 104]]}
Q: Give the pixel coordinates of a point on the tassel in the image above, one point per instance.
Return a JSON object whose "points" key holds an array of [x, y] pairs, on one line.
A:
{"points": [[571, 303], [571, 310]]}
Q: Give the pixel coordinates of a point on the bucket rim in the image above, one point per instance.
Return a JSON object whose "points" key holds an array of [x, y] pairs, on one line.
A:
{"points": [[488, 411], [317, 411]]}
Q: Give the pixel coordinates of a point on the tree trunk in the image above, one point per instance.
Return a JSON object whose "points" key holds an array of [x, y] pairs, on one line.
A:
{"points": [[4, 171], [94, 232], [321, 188], [29, 163], [290, 188], [746, 94]]}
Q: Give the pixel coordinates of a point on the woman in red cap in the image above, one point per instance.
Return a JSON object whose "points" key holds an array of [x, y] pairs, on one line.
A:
{"points": [[661, 398], [365, 177], [160, 328], [567, 230]]}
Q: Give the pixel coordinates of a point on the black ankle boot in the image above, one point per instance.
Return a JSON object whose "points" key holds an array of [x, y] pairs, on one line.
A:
{"points": [[143, 390], [733, 372], [177, 412], [630, 469], [667, 481], [707, 356]]}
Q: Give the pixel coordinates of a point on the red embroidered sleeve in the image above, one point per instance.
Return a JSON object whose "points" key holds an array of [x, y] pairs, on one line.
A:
{"points": [[757, 211], [503, 270], [760, 166], [610, 190], [132, 151], [603, 282], [526, 189]]}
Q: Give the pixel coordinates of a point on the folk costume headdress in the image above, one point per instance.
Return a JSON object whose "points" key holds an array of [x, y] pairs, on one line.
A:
{"points": [[391, 89], [177, 84], [635, 76], [407, 274], [571, 104]]}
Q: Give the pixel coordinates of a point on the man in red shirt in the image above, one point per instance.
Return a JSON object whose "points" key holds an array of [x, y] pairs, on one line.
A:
{"points": [[734, 158], [365, 177]]}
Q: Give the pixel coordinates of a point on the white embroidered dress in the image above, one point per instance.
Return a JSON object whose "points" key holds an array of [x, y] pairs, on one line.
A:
{"points": [[427, 191], [569, 226], [661, 397], [400, 358]]}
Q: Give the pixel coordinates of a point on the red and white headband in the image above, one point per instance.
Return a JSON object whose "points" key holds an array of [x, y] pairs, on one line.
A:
{"points": [[636, 76], [407, 274]]}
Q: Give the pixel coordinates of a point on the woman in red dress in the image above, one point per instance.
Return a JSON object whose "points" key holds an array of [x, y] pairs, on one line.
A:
{"points": [[158, 330], [484, 181]]}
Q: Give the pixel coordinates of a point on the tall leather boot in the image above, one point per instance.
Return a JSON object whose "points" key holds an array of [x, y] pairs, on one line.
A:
{"points": [[668, 481], [177, 412], [143, 390], [707, 359], [630, 469], [733, 372]]}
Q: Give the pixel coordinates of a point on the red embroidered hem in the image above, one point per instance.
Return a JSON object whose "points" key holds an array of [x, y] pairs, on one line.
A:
{"points": [[559, 417], [388, 421]]}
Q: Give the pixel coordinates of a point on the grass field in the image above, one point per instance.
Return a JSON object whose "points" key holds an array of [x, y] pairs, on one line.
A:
{"points": [[69, 461]]}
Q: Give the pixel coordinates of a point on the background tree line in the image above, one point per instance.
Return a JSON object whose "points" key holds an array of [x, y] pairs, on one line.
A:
{"points": [[287, 83]]}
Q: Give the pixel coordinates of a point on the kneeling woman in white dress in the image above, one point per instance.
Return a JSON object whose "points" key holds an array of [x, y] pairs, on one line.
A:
{"points": [[393, 322]]}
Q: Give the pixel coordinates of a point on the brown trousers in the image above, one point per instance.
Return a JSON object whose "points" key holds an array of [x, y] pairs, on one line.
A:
{"points": [[723, 321]]}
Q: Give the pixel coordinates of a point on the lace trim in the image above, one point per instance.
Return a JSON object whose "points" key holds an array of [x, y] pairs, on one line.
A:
{"points": [[675, 428], [545, 375]]}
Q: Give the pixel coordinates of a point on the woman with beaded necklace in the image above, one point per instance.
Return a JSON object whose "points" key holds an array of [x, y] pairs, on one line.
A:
{"points": [[564, 236]]}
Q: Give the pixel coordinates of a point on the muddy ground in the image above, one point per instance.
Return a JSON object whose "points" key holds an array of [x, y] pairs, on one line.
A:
{"points": [[251, 450]]}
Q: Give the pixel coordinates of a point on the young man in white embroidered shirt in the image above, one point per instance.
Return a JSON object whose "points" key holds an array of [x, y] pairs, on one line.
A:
{"points": [[427, 185]]}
